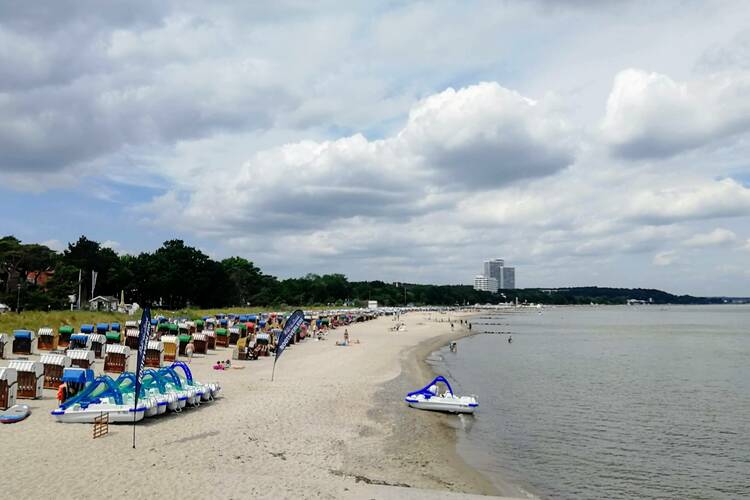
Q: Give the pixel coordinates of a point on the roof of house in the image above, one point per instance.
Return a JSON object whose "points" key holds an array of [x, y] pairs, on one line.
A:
{"points": [[105, 298]]}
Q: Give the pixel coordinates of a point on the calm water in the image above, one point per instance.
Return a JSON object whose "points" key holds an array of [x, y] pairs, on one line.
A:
{"points": [[610, 402]]}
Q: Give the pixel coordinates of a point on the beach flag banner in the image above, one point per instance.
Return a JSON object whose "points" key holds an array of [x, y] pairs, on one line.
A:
{"points": [[143, 335], [290, 328]]}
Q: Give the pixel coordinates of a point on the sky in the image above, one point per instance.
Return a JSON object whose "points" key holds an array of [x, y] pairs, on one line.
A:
{"points": [[586, 143]]}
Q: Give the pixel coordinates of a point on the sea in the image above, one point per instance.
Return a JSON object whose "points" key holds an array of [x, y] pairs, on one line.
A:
{"points": [[608, 402]]}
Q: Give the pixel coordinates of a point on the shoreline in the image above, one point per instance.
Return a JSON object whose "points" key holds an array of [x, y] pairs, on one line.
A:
{"points": [[419, 369]]}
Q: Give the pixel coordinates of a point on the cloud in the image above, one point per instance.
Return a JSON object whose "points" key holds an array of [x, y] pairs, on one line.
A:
{"points": [[112, 245], [55, 245], [705, 200], [650, 115], [666, 258], [477, 138], [717, 237]]}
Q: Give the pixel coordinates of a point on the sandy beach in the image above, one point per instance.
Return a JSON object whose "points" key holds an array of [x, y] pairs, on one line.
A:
{"points": [[332, 424]]}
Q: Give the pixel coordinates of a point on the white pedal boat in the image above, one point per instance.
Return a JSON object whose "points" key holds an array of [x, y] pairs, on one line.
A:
{"points": [[429, 398], [85, 414]]}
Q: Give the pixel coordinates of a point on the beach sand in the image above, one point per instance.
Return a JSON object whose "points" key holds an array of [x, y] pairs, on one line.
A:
{"points": [[332, 424]]}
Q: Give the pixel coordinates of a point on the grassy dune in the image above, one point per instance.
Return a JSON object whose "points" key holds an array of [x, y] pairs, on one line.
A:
{"points": [[33, 320]]}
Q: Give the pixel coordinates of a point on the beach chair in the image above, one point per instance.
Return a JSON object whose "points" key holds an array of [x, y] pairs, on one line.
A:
{"points": [[131, 336], [210, 339], [80, 341], [199, 324], [234, 335], [116, 359], [47, 339], [167, 329], [262, 344], [154, 354], [6, 345], [200, 341], [113, 337], [54, 365], [30, 378], [81, 358], [24, 342], [8, 387], [63, 340], [242, 352], [98, 342], [183, 341], [170, 347], [222, 339], [87, 328]]}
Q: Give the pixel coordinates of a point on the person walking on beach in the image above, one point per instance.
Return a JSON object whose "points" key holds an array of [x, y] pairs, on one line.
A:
{"points": [[346, 336], [189, 350], [510, 339]]}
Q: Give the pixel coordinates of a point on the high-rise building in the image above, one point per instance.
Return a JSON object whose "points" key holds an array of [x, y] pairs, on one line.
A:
{"points": [[509, 278], [504, 277], [485, 283], [494, 269]]}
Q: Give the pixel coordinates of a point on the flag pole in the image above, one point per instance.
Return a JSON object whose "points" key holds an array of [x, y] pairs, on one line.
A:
{"points": [[143, 335]]}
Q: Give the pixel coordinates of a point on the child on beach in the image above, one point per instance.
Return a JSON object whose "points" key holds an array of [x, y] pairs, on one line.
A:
{"points": [[189, 350], [219, 365]]}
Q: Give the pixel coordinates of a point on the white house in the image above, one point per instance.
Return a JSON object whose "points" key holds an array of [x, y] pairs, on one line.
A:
{"points": [[104, 303]]}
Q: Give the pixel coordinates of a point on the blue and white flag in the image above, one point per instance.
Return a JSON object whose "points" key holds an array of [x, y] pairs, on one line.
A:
{"points": [[290, 328], [143, 336]]}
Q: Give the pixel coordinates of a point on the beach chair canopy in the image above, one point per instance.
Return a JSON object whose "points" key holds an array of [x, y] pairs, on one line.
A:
{"points": [[45, 331], [22, 365], [112, 336], [102, 327], [118, 349], [221, 331], [65, 329], [132, 323], [87, 328], [22, 334], [155, 345], [55, 359], [80, 337], [99, 338], [115, 327], [82, 354], [185, 338], [74, 375]]}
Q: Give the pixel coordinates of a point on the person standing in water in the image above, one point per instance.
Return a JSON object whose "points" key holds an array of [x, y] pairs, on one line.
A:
{"points": [[510, 339]]}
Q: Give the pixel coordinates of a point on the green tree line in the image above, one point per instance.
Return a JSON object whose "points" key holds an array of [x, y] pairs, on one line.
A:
{"points": [[176, 276]]}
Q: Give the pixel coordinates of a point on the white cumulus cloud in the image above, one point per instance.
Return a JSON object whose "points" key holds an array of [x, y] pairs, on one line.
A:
{"points": [[717, 237], [650, 115]]}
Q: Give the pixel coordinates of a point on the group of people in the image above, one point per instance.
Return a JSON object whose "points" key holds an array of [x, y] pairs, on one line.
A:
{"points": [[223, 365]]}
